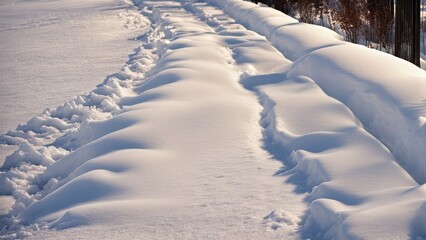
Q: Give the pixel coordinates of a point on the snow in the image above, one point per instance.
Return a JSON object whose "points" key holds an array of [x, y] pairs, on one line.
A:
{"points": [[278, 218], [388, 109], [69, 44], [214, 131], [389, 98], [176, 153]]}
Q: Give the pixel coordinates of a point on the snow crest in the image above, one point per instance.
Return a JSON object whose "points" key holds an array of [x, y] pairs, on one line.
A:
{"points": [[385, 93], [348, 173]]}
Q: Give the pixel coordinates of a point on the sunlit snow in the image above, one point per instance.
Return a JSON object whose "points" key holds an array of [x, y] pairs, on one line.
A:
{"points": [[230, 120]]}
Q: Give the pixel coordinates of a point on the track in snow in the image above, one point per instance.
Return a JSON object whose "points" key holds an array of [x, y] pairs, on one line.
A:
{"points": [[314, 134], [227, 176], [179, 148]]}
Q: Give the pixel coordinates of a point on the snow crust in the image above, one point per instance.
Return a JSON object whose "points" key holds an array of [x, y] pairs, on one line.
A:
{"points": [[211, 131]]}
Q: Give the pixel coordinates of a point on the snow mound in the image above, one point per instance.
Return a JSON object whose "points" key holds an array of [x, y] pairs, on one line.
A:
{"points": [[388, 103], [387, 94]]}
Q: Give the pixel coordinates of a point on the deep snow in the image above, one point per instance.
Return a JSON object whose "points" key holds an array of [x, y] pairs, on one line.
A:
{"points": [[211, 131], [177, 159], [386, 94]]}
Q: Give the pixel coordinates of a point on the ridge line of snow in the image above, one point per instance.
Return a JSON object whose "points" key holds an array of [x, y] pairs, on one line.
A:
{"points": [[315, 158], [332, 204], [276, 219], [341, 70]]}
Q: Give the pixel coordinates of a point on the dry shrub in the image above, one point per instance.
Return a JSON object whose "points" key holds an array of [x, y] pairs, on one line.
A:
{"points": [[310, 10], [350, 15], [307, 10], [285, 6], [380, 18]]}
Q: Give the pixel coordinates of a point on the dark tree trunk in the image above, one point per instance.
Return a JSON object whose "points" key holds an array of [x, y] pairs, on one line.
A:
{"points": [[407, 30]]}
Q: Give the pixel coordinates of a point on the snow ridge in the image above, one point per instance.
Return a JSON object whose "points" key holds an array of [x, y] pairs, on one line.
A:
{"points": [[313, 151], [340, 68]]}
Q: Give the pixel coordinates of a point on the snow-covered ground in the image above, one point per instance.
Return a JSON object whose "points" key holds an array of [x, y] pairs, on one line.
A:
{"points": [[52, 51], [213, 131]]}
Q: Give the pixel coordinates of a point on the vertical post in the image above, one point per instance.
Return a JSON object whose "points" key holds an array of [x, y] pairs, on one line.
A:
{"points": [[407, 30], [417, 32]]}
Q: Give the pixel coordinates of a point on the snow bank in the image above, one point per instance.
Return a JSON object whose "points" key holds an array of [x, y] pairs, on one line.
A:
{"points": [[356, 188], [349, 174], [286, 33], [385, 93]]}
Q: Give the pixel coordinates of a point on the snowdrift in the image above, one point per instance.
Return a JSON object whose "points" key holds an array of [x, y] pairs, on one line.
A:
{"points": [[387, 94], [211, 132]]}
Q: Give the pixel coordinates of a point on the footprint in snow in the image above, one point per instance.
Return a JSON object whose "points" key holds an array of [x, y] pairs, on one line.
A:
{"points": [[279, 218]]}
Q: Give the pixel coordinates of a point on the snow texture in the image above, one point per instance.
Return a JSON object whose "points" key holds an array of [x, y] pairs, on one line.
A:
{"points": [[211, 131], [385, 93], [69, 44]]}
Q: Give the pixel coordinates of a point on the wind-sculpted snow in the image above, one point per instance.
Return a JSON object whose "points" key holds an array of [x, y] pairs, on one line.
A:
{"points": [[175, 157], [344, 168], [350, 175], [387, 94], [210, 132]]}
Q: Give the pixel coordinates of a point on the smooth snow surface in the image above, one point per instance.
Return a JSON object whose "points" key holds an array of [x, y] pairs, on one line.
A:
{"points": [[70, 45], [210, 131]]}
